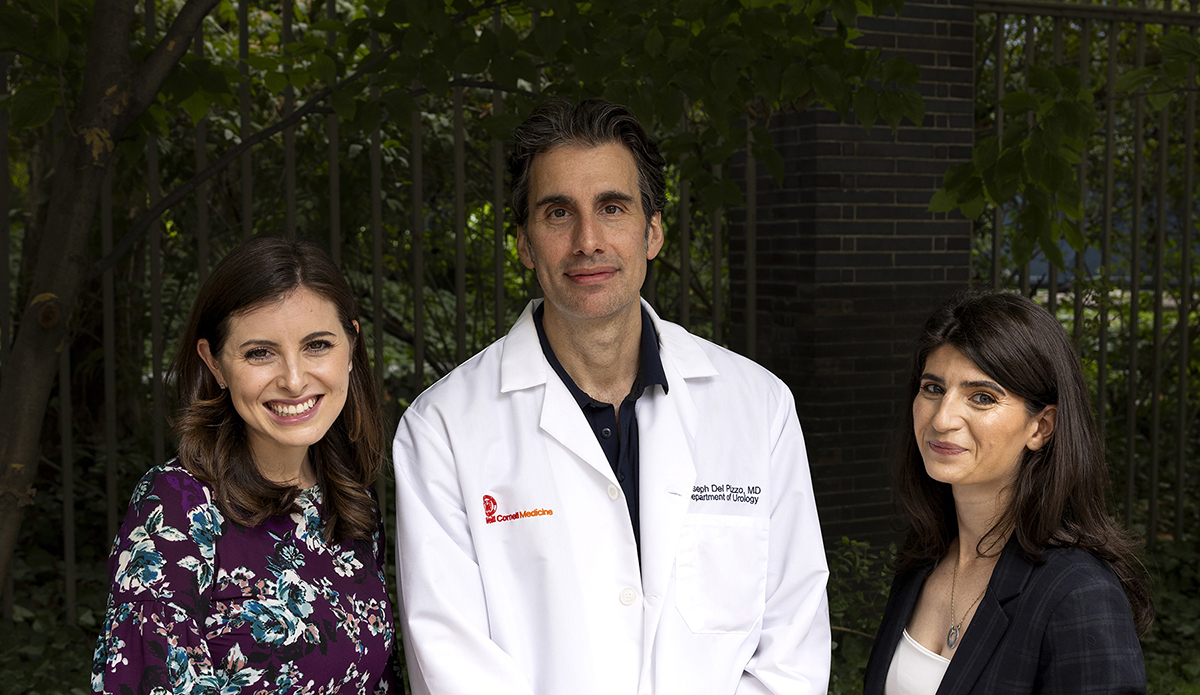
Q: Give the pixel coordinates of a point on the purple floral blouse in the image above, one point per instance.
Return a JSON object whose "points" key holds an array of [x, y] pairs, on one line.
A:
{"points": [[200, 605]]}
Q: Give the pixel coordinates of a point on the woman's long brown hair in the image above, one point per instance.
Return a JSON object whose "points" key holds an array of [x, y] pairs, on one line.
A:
{"points": [[212, 437], [1060, 494]]}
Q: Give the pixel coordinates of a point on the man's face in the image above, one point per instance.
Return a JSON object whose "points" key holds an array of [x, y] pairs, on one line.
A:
{"points": [[587, 236]]}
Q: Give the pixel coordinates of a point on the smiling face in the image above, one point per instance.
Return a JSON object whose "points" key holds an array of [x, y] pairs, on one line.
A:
{"points": [[287, 367], [971, 432], [587, 236]]}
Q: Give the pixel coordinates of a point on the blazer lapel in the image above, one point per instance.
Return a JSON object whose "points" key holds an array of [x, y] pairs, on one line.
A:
{"points": [[904, 597], [991, 621]]}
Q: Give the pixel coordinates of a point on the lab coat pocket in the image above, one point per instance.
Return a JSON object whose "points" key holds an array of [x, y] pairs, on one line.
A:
{"points": [[721, 572]]}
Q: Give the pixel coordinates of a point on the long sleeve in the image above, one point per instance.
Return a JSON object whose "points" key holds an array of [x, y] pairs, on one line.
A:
{"points": [[793, 652], [1090, 644], [442, 612], [161, 569]]}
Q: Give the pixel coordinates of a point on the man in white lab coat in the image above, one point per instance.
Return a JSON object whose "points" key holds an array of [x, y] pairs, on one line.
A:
{"points": [[601, 502]]}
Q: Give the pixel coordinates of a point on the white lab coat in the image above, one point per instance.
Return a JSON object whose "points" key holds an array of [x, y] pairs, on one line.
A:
{"points": [[549, 598]]}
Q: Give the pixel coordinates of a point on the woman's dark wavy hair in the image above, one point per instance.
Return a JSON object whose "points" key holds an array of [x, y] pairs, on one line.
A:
{"points": [[591, 123], [1060, 493], [212, 437]]}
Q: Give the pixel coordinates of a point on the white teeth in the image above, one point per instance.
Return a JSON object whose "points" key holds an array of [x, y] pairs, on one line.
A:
{"points": [[293, 410]]}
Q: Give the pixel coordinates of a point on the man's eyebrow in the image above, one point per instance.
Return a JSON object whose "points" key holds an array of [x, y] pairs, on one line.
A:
{"points": [[554, 198], [613, 195]]}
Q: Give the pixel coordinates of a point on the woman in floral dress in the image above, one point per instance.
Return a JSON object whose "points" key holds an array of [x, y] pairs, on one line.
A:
{"points": [[253, 562]]}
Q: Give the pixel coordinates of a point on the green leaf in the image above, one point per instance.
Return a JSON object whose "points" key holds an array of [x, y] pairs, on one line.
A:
{"points": [[1014, 133], [1133, 80], [1023, 244], [549, 35], [31, 106], [325, 68], [901, 71], [1180, 45], [1160, 94], [831, 90], [344, 105], [866, 106], [654, 42], [797, 82], [264, 63], [986, 153], [327, 25], [275, 82], [58, 46], [1048, 241], [434, 77], [914, 107], [368, 117], [1017, 103], [891, 108], [957, 175], [197, 106], [1070, 231], [942, 201], [472, 61], [974, 208], [678, 49], [1043, 79], [844, 11]]}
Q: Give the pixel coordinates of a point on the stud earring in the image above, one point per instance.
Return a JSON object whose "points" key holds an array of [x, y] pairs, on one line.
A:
{"points": [[350, 367], [222, 386]]}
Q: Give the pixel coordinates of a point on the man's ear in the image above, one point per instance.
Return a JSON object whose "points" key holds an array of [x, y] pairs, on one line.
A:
{"points": [[523, 251], [654, 236]]}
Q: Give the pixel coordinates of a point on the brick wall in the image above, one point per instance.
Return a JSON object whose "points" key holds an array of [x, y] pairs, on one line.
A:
{"points": [[849, 263]]}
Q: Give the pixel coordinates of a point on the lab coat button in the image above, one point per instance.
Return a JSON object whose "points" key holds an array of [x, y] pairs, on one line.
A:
{"points": [[628, 596], [606, 433], [613, 493]]}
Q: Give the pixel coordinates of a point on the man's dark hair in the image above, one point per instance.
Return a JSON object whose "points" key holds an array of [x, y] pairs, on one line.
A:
{"points": [[591, 123]]}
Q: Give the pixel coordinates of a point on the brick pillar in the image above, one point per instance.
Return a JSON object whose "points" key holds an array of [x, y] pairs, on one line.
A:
{"points": [[849, 263]]}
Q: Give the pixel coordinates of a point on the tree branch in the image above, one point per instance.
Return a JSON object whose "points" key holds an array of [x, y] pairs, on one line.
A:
{"points": [[153, 73], [313, 105]]}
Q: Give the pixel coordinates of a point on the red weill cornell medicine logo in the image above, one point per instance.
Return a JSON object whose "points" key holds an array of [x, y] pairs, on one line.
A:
{"points": [[490, 507]]}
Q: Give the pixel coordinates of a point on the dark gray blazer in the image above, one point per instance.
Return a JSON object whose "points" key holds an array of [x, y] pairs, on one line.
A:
{"points": [[1062, 626]]}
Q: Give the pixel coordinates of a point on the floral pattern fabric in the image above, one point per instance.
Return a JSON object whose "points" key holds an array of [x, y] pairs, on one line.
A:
{"points": [[201, 605]]}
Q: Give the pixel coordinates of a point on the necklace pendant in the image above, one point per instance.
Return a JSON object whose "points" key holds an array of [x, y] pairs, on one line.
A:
{"points": [[952, 637]]}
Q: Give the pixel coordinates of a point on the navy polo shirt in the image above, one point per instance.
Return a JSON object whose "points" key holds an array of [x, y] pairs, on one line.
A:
{"points": [[619, 440]]}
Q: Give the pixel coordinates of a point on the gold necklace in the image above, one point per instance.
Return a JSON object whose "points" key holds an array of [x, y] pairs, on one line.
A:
{"points": [[953, 634]]}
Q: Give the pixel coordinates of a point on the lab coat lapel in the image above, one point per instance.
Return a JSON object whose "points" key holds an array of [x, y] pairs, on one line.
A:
{"points": [[523, 365], [990, 621], [667, 425]]}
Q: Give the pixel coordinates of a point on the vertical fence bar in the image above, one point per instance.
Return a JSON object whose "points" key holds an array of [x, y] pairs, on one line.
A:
{"points": [[1160, 242], [68, 478], [685, 254], [460, 231], [998, 211], [244, 109], [1135, 281], [289, 133], [1051, 269], [498, 249], [1030, 56], [1110, 126], [201, 148], [1185, 296], [110, 361], [335, 180], [154, 193], [418, 254], [751, 246], [718, 267], [1085, 61], [5, 201], [378, 310]]}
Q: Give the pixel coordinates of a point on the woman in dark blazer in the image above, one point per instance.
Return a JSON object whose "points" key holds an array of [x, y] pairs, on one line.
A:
{"points": [[1012, 578]]}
